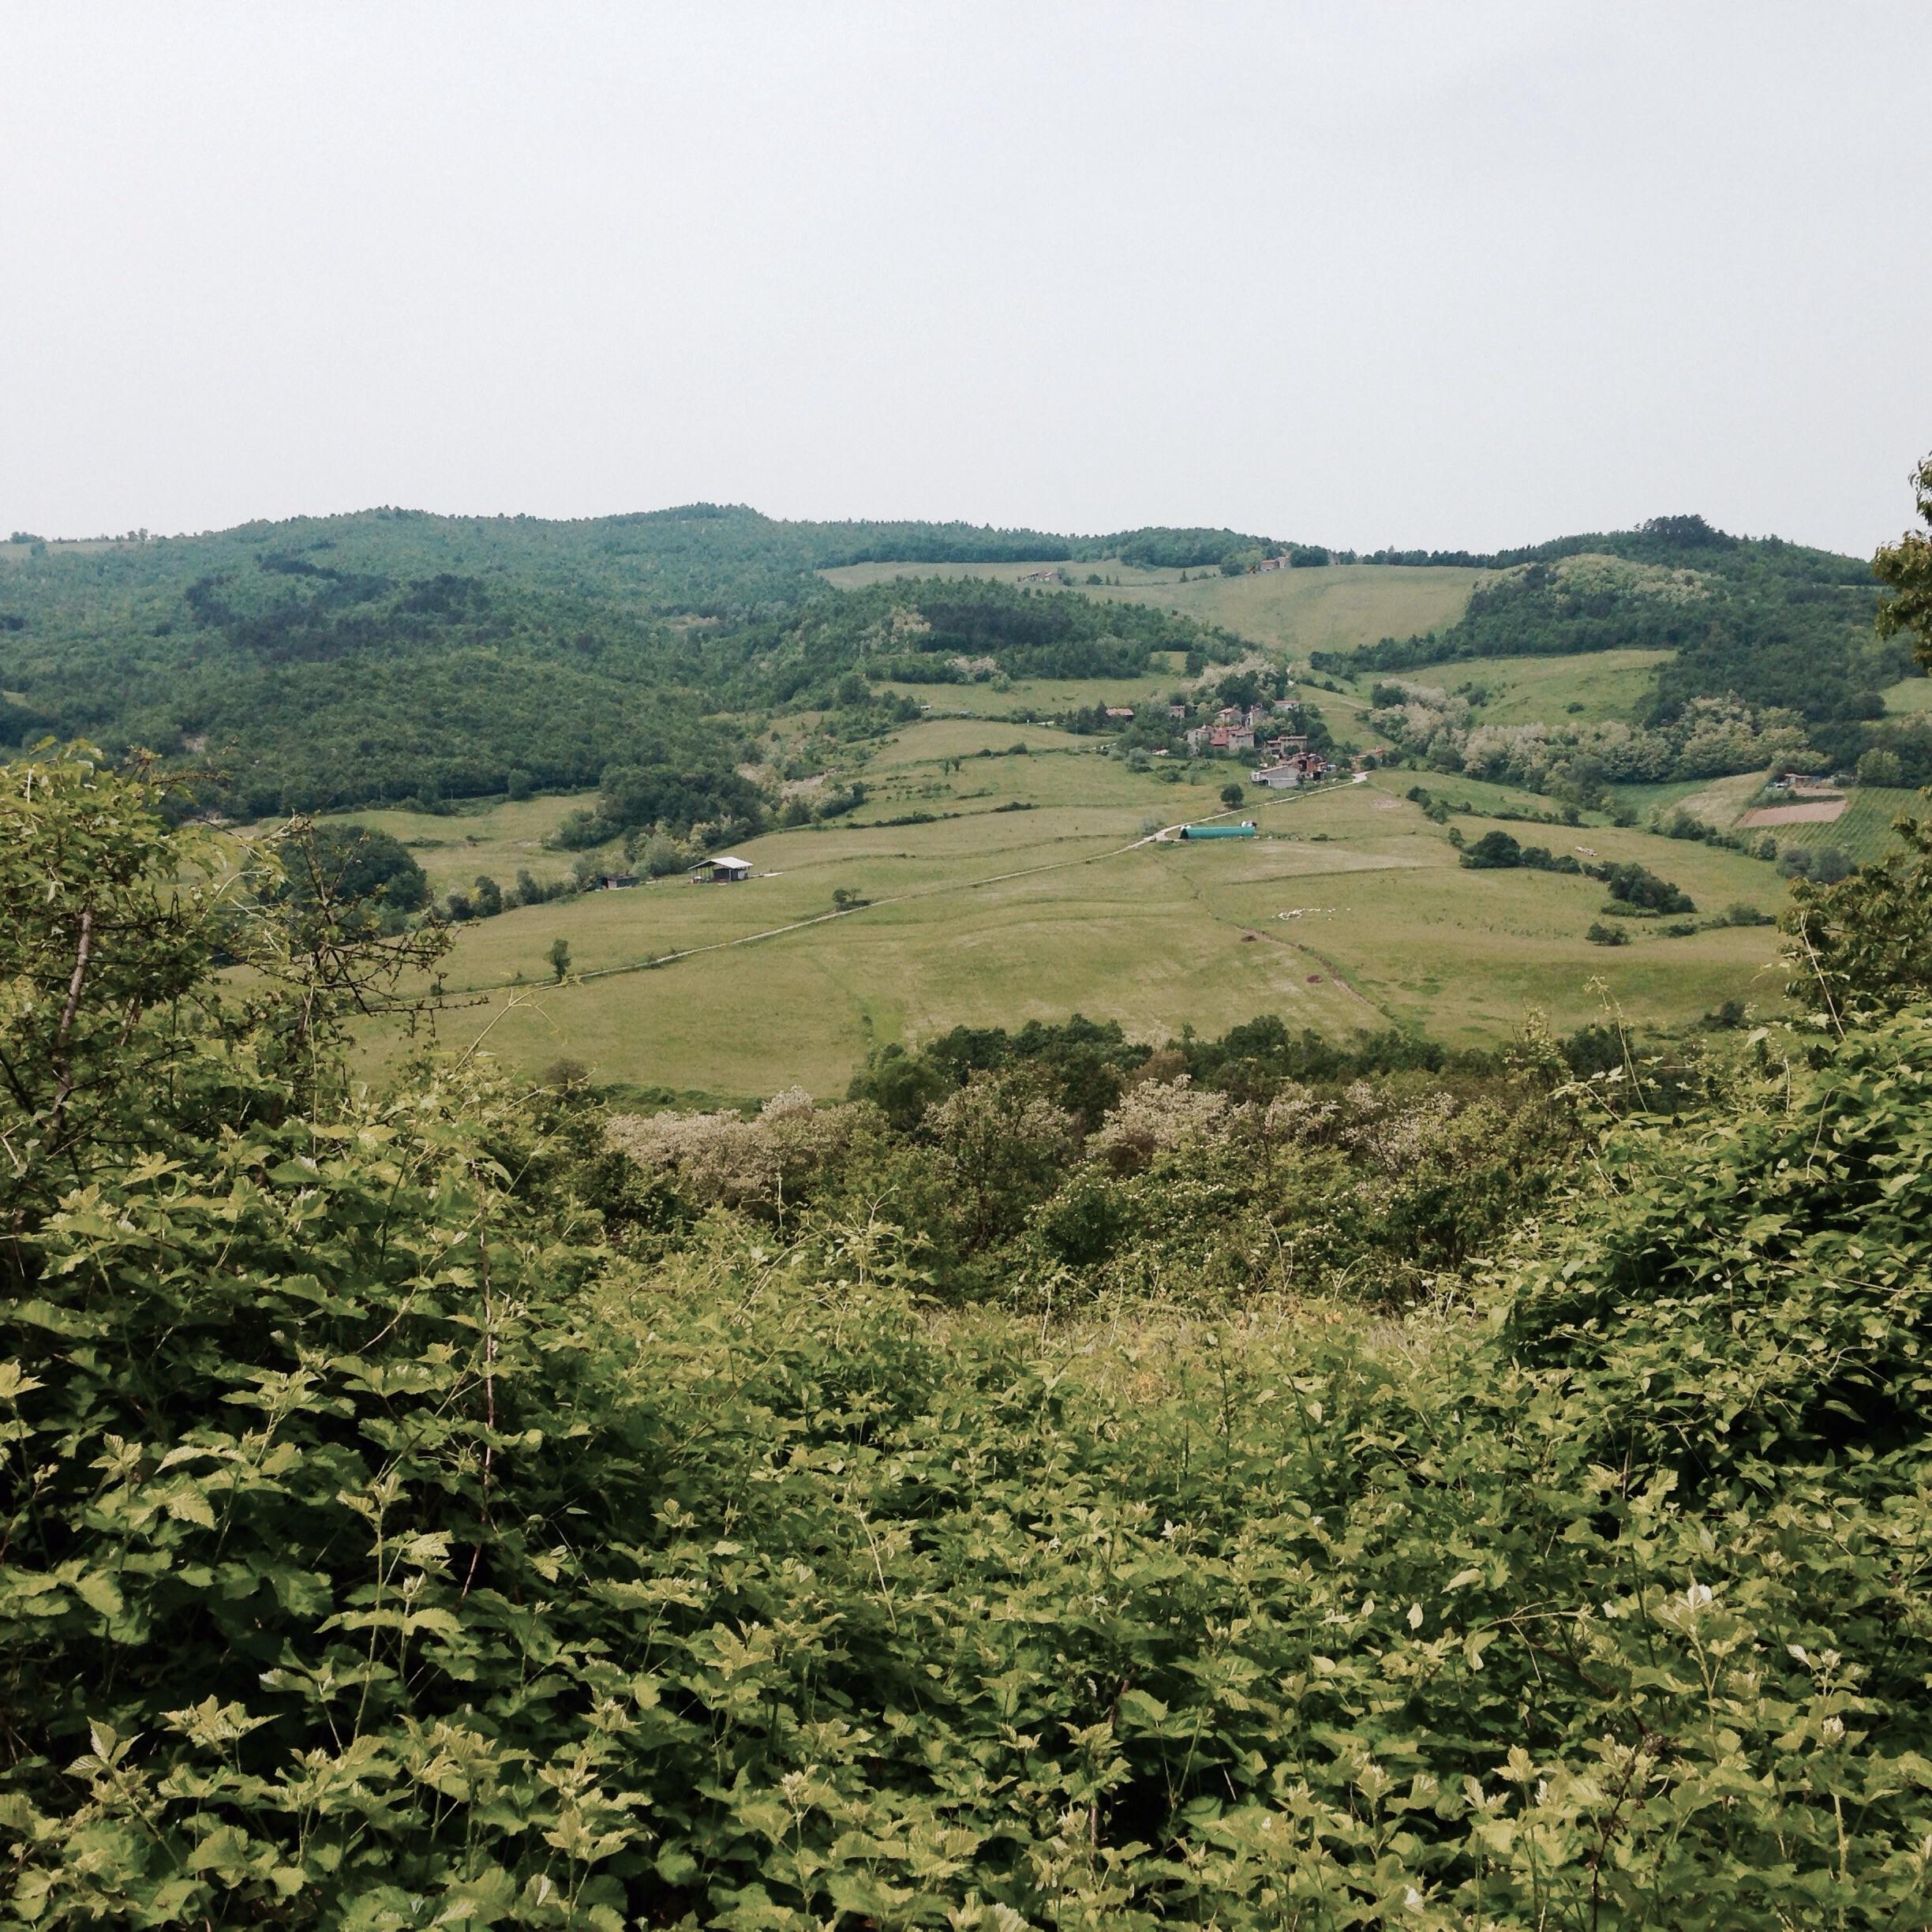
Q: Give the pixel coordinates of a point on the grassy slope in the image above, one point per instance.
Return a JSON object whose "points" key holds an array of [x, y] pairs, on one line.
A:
{"points": [[1339, 609], [1044, 695], [496, 838], [998, 917], [986, 917], [1523, 691]]}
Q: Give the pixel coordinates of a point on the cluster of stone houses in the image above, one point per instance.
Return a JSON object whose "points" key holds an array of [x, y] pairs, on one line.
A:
{"points": [[1238, 729]]}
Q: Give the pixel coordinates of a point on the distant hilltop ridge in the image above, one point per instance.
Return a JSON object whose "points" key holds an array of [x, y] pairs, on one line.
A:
{"points": [[394, 654], [808, 545]]}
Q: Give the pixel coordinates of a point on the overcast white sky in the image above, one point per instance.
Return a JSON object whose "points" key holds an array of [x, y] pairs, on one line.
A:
{"points": [[1437, 274]]}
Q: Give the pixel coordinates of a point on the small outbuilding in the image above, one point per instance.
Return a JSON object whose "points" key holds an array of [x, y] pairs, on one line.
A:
{"points": [[727, 870]]}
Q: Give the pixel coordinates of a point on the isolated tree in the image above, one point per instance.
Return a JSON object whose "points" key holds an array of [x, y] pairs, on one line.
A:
{"points": [[1494, 851], [489, 899], [1880, 767], [1231, 796], [1905, 568], [352, 865], [559, 959]]}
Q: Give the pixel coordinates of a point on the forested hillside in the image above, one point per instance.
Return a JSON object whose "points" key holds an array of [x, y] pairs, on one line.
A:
{"points": [[393, 655], [1774, 624]]}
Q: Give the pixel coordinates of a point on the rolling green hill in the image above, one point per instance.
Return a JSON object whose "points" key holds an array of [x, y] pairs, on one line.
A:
{"points": [[391, 654]]}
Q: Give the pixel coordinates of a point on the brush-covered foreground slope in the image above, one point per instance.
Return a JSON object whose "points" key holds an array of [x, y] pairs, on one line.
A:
{"points": [[1321, 1500]]}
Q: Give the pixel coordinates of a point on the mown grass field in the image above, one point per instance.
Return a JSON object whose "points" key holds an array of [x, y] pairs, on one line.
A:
{"points": [[1340, 608], [1910, 694], [858, 576], [1048, 697], [990, 917]]}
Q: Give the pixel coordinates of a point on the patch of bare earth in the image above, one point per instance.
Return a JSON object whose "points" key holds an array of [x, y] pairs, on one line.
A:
{"points": [[1821, 812]]}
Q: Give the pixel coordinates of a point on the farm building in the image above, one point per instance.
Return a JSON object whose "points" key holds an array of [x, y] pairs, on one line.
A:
{"points": [[727, 870], [1245, 830], [1301, 768]]}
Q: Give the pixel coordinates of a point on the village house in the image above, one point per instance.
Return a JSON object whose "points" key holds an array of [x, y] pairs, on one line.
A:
{"points": [[1050, 575], [1123, 712], [1199, 736], [1177, 711], [728, 870], [1241, 738]]}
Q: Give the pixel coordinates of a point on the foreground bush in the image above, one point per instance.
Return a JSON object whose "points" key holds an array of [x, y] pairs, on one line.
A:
{"points": [[382, 1551]]}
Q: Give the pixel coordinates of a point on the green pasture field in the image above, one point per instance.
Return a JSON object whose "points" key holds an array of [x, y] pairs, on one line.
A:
{"points": [[1912, 693], [1720, 801], [995, 918], [1645, 798]]}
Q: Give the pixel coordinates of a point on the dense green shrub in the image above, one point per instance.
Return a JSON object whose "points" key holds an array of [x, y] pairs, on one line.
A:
{"points": [[385, 1549]]}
